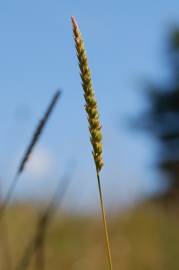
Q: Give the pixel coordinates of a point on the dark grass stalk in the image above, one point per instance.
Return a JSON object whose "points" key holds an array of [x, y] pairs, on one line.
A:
{"points": [[35, 138], [40, 243], [93, 120], [37, 245]]}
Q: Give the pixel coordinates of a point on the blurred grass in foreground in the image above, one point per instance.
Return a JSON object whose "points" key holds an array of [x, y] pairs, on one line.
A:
{"points": [[146, 237]]}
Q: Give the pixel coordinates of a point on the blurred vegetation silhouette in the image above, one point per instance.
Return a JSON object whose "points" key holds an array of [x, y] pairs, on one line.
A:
{"points": [[162, 119]]}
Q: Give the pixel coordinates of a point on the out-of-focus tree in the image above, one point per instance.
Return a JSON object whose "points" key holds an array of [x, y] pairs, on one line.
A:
{"points": [[162, 118]]}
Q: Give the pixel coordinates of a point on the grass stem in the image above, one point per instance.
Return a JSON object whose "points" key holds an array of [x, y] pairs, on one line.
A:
{"points": [[104, 221]]}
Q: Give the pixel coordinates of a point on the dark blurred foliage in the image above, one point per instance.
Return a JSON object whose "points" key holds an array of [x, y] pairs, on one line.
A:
{"points": [[162, 118]]}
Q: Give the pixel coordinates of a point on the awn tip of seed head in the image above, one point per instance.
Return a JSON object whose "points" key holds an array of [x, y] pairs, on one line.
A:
{"points": [[74, 22]]}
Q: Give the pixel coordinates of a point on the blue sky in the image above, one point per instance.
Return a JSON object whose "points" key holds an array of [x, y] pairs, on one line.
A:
{"points": [[124, 41]]}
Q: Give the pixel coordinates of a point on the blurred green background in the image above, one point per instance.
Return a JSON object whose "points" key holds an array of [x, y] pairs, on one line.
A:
{"points": [[144, 237]]}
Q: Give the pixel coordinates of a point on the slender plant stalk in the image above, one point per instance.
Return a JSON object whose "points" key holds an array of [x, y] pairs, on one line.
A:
{"points": [[40, 243], [104, 221], [93, 120], [38, 131]]}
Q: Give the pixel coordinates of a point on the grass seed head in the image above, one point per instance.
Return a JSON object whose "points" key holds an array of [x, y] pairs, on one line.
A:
{"points": [[91, 104]]}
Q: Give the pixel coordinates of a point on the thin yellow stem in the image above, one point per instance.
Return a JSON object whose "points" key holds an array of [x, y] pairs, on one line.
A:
{"points": [[104, 222]]}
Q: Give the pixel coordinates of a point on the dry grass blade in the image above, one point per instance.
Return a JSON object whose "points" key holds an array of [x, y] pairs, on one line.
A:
{"points": [[38, 131], [36, 245], [5, 259], [93, 119]]}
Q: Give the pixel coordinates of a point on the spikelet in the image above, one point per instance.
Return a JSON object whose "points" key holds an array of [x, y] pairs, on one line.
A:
{"points": [[91, 104]]}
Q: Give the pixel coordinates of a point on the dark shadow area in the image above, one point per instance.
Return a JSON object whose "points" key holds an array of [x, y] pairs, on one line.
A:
{"points": [[161, 120]]}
